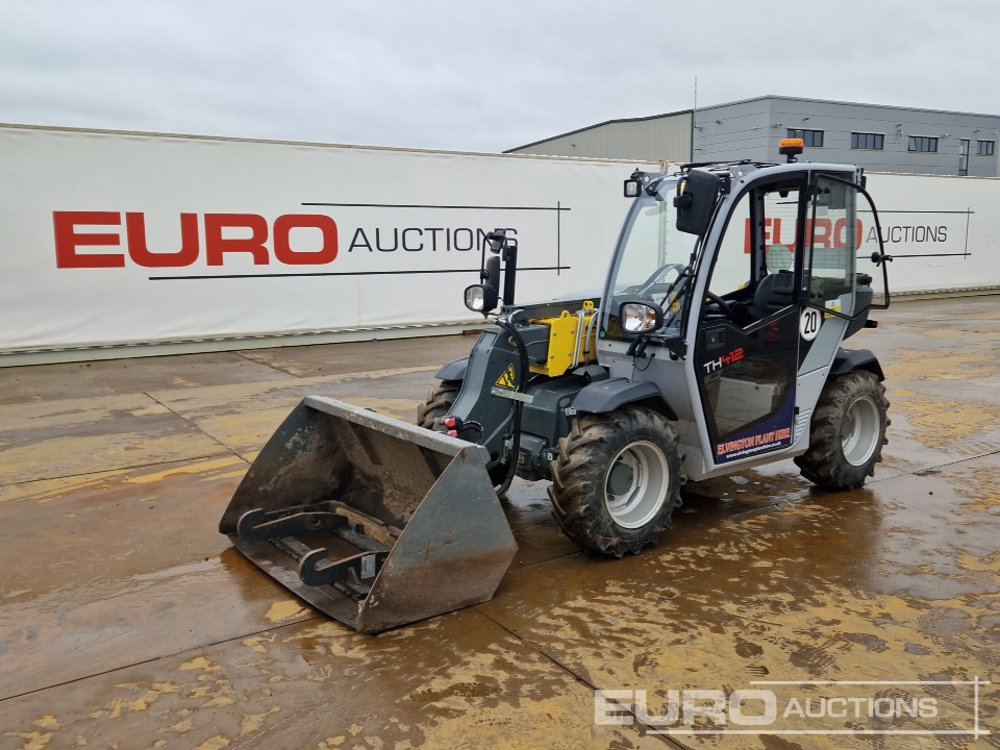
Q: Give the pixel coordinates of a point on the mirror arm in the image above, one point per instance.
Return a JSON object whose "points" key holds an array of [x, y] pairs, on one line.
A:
{"points": [[677, 347], [638, 346]]}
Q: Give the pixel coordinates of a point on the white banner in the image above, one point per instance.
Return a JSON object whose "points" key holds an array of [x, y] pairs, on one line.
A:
{"points": [[944, 232], [114, 238], [117, 238]]}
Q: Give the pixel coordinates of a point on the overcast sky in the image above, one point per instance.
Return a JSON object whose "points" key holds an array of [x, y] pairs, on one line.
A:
{"points": [[482, 76]]}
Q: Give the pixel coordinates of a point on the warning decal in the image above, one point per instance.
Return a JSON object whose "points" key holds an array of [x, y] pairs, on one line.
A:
{"points": [[508, 379]]}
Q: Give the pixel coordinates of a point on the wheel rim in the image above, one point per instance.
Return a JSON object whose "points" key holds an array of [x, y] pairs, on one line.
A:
{"points": [[636, 484], [861, 434]]}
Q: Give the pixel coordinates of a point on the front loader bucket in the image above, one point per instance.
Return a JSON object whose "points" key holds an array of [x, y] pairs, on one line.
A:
{"points": [[372, 520]]}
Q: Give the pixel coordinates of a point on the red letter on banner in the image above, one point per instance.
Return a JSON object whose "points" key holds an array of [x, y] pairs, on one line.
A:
{"points": [[135, 230], [216, 244], [67, 239], [283, 251]]}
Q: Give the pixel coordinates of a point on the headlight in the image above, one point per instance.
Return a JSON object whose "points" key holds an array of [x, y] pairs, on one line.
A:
{"points": [[481, 298], [474, 298], [637, 317]]}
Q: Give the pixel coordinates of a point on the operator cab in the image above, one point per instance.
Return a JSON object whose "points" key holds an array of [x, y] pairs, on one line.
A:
{"points": [[738, 269], [783, 237]]}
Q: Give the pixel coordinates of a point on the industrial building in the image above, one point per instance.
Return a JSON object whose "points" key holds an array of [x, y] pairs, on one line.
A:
{"points": [[877, 137]]}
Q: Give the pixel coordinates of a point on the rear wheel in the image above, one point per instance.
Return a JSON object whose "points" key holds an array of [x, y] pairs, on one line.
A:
{"points": [[616, 481], [438, 403], [848, 432]]}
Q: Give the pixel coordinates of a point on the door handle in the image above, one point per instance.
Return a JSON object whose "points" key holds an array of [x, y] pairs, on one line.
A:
{"points": [[715, 338]]}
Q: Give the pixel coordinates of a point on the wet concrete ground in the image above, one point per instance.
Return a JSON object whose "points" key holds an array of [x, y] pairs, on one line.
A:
{"points": [[127, 621]]}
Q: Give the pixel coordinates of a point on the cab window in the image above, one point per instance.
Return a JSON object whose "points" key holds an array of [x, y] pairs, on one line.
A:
{"points": [[832, 242], [755, 266]]}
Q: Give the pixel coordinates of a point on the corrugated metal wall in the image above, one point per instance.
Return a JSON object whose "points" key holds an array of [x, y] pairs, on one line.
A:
{"points": [[732, 132], [838, 120], [752, 128], [663, 138]]}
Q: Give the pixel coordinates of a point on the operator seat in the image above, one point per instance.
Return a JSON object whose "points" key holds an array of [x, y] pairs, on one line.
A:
{"points": [[775, 291]]}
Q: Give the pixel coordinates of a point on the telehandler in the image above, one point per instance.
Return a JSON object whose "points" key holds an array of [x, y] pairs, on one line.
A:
{"points": [[714, 347]]}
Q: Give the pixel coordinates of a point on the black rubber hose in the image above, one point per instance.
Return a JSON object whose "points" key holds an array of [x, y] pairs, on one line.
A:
{"points": [[522, 386]]}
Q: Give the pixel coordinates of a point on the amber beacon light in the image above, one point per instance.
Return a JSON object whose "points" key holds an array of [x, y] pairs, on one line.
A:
{"points": [[791, 147]]}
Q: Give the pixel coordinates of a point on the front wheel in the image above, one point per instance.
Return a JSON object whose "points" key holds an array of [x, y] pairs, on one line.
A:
{"points": [[847, 433], [616, 480]]}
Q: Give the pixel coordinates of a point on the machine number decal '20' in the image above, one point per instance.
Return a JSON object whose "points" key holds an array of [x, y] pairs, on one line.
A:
{"points": [[809, 323]]}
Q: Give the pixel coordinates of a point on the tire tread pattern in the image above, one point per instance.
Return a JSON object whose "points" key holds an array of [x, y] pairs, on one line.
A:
{"points": [[438, 403], [579, 471], [824, 463]]}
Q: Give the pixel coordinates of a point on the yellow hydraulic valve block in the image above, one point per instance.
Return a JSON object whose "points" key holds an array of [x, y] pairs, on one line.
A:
{"points": [[572, 341]]}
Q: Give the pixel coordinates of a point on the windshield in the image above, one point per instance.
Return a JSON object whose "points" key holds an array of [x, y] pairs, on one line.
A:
{"points": [[652, 261]]}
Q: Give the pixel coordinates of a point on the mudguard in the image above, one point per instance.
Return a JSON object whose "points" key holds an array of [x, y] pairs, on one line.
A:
{"points": [[454, 370], [607, 395], [848, 360]]}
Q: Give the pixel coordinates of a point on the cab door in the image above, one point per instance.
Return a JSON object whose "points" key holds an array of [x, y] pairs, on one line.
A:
{"points": [[746, 355]]}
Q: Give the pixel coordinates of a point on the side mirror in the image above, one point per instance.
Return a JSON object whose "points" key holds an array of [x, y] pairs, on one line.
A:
{"points": [[640, 317], [695, 200]]}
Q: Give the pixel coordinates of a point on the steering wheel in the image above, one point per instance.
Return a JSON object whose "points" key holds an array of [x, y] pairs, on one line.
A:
{"points": [[647, 285], [723, 305]]}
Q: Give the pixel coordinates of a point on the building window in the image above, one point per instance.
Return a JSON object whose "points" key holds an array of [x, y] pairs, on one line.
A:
{"points": [[923, 144], [868, 141], [810, 138], [986, 148]]}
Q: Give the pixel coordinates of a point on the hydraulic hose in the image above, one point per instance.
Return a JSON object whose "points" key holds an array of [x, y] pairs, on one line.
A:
{"points": [[522, 386]]}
